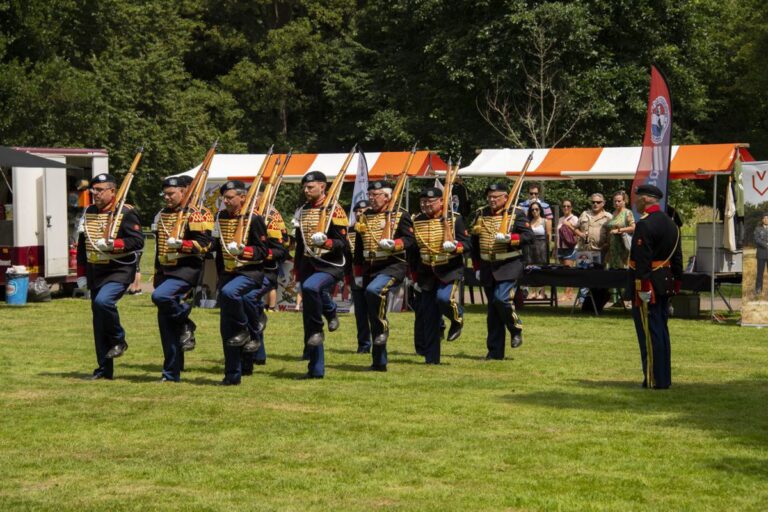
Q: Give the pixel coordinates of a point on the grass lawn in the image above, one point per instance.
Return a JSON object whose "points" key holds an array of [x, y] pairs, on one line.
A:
{"points": [[560, 425]]}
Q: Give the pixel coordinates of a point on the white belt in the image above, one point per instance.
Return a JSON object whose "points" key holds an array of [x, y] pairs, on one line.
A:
{"points": [[501, 256]]}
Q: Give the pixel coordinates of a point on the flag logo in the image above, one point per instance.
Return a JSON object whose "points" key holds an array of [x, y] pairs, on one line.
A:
{"points": [[659, 119]]}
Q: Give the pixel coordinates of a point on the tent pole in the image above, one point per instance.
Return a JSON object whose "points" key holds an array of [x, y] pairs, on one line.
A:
{"points": [[714, 251]]}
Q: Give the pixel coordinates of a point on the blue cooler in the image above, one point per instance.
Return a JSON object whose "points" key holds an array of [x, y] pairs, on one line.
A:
{"points": [[16, 287]]}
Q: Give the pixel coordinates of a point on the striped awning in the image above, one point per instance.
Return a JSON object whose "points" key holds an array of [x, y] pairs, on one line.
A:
{"points": [[692, 161]]}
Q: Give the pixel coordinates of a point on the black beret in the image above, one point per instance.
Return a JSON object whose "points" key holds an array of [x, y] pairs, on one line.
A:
{"points": [[232, 185], [497, 187], [379, 184], [177, 181], [649, 190], [362, 205], [103, 178], [314, 176], [185, 180], [430, 193]]}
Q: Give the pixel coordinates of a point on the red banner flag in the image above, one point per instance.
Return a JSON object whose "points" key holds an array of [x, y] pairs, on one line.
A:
{"points": [[653, 168]]}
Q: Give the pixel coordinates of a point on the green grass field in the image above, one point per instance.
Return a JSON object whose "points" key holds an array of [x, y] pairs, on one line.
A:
{"points": [[559, 425]]}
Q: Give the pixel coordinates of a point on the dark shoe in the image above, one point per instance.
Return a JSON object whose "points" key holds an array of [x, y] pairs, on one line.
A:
{"points": [[377, 368], [262, 323], [247, 373], [239, 339], [308, 376], [227, 382], [381, 339], [316, 339], [117, 350], [98, 376], [363, 350], [517, 340], [260, 362], [166, 379], [252, 345], [489, 357], [333, 324], [187, 338], [454, 332]]}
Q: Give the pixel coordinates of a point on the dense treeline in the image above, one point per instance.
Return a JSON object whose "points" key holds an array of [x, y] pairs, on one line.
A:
{"points": [[315, 75]]}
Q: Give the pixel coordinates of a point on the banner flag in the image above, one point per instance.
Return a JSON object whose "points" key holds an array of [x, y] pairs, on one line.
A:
{"points": [[653, 168], [360, 192], [729, 226]]}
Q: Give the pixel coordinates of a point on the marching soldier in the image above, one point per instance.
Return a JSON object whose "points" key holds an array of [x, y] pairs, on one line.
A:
{"points": [[497, 260], [656, 265], [380, 264], [109, 266], [319, 264], [178, 265], [438, 266], [358, 293], [277, 251], [240, 272]]}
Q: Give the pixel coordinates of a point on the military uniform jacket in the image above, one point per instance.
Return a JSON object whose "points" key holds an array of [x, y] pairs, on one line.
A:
{"points": [[656, 254], [371, 260], [277, 244], [185, 263], [250, 263], [427, 258], [117, 266], [501, 261], [329, 258]]}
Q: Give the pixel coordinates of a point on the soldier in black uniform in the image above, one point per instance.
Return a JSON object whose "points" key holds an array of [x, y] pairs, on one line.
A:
{"points": [[438, 269], [358, 293], [498, 263], [240, 272], [319, 265], [380, 263], [178, 265], [110, 267], [656, 265]]}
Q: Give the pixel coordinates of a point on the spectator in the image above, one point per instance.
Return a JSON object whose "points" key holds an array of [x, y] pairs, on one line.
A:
{"points": [[568, 234], [761, 241], [535, 196], [619, 232], [591, 225], [537, 253]]}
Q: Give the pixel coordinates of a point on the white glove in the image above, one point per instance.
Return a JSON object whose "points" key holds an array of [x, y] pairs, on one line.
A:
{"points": [[644, 296], [477, 275], [297, 288], [359, 281], [319, 238], [449, 246], [235, 249], [105, 245], [503, 237], [173, 243], [82, 283], [387, 244], [416, 287]]}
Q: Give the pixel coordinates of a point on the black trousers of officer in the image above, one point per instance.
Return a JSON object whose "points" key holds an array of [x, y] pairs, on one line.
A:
{"points": [[655, 353]]}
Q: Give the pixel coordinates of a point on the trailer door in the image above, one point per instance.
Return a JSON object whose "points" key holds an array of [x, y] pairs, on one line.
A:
{"points": [[55, 228]]}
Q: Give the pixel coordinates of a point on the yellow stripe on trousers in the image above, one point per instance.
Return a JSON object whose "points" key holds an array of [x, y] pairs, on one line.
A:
{"points": [[383, 295]]}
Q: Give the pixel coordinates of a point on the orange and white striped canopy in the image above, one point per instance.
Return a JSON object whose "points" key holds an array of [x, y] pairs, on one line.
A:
{"points": [[380, 165], [603, 163]]}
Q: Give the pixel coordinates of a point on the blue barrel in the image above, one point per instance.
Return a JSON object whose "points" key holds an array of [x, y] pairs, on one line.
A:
{"points": [[16, 287]]}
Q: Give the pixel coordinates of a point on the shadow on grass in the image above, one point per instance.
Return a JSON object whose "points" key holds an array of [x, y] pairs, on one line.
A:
{"points": [[733, 409]]}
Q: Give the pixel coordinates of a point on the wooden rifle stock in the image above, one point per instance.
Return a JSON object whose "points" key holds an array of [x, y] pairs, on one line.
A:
{"points": [[513, 195], [243, 224], [193, 193], [270, 189], [332, 195], [396, 192], [110, 229]]}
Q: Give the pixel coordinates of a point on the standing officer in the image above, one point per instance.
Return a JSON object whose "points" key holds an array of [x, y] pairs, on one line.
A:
{"points": [[255, 352], [380, 264], [240, 272], [497, 260], [656, 264], [178, 265], [358, 293], [319, 264], [439, 270], [110, 266]]}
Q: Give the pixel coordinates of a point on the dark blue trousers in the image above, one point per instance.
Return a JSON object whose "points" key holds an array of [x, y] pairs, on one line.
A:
{"points": [[361, 319], [107, 331], [431, 307], [172, 313], [254, 308], [234, 319], [315, 295], [376, 300], [655, 354], [501, 316]]}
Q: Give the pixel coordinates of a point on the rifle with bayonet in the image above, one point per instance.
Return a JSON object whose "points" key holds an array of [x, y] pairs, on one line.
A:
{"points": [[193, 194], [332, 198]]}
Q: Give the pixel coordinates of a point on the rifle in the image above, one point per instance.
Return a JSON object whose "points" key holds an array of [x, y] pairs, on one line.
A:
{"points": [[243, 225], [396, 192], [193, 193], [332, 196], [270, 189], [513, 195], [111, 227], [450, 177]]}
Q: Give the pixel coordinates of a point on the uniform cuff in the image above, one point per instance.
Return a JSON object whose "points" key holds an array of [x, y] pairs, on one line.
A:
{"points": [[118, 245], [248, 253], [186, 246], [514, 239], [357, 270], [399, 244], [459, 248]]}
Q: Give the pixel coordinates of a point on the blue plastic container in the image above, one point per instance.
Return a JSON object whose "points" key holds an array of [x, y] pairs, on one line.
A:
{"points": [[16, 287]]}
